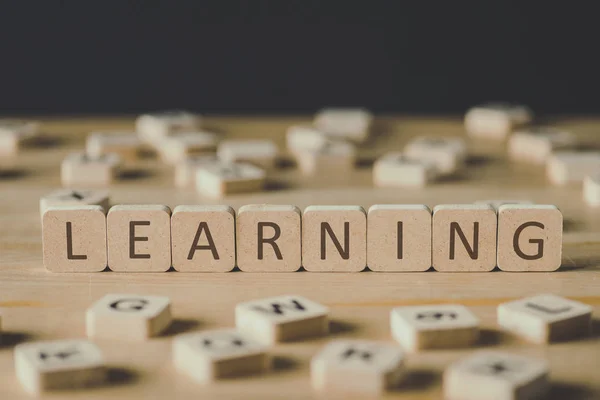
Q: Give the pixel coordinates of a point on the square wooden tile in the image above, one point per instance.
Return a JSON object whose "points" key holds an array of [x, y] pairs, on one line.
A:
{"points": [[345, 123], [152, 128], [304, 138], [219, 180], [565, 167], [126, 145], [448, 154], [395, 170], [81, 170], [536, 144], [14, 133], [185, 171], [496, 120], [335, 158], [180, 146], [591, 189], [259, 152]]}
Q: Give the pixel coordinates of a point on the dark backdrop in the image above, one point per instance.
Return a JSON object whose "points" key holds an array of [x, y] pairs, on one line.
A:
{"points": [[295, 56]]}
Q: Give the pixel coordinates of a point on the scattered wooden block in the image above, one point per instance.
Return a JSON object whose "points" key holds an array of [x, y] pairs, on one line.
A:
{"points": [[566, 167], [269, 238], [357, 367], [492, 375], [217, 354], [335, 158], [448, 154], [395, 170], [282, 319], [496, 121], [80, 197], [126, 145], [128, 317], [535, 145], [79, 169], [433, 327], [529, 237], [259, 152], [334, 239], [495, 204], [345, 123], [139, 238], [399, 237], [464, 237], [591, 189], [180, 146], [185, 171], [60, 364], [218, 180], [545, 318], [74, 239], [304, 138], [153, 128], [13, 133], [203, 238]]}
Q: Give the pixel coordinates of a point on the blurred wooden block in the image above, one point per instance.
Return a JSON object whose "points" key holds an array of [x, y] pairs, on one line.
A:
{"points": [[185, 171], [345, 123], [535, 145], [304, 138], [591, 189], [545, 318], [357, 367], [496, 120], [433, 327], [128, 317], [203, 238], [13, 133], [399, 237], [269, 238], [126, 145], [80, 197], [335, 158], [566, 167], [181, 146], [259, 152], [529, 237], [139, 238], [74, 239], [282, 319], [153, 128], [448, 154], [464, 237], [218, 180], [59, 364], [210, 355], [395, 170], [492, 375], [79, 169], [334, 239]]}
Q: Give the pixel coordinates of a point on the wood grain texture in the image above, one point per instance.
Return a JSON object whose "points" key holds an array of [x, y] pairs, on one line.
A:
{"points": [[39, 305]]}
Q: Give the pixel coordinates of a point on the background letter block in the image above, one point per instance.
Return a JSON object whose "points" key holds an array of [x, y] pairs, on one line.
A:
{"points": [[203, 238], [128, 316], [74, 239], [565, 167], [545, 318], [395, 170], [126, 145], [281, 319], [139, 238], [334, 238], [219, 179], [152, 128], [262, 153], [268, 238], [496, 121], [79, 169], [448, 154], [345, 123], [535, 145], [529, 237], [335, 157], [464, 237], [591, 189]]}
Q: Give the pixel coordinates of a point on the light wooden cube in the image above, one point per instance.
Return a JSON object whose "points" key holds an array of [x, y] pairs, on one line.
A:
{"points": [[464, 237], [125, 144], [529, 237], [493, 375], [304, 138], [399, 237], [448, 154], [153, 128], [259, 152], [496, 121], [79, 169], [345, 123], [334, 239], [139, 238], [74, 239], [545, 318], [203, 238], [269, 238], [185, 171], [566, 167], [335, 158], [211, 355], [282, 319], [357, 367], [218, 180], [434, 326], [60, 364], [13, 133], [591, 189], [180, 146], [80, 197], [128, 317], [395, 170], [535, 145]]}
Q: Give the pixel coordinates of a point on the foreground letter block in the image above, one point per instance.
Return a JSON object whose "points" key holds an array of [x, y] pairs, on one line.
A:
{"points": [[128, 317], [464, 237], [429, 327], [152, 128], [79, 169], [529, 237], [218, 180], [334, 157], [535, 145], [545, 318], [566, 167], [61, 364], [80, 197], [282, 319], [447, 154], [396, 170], [126, 145], [211, 355], [334, 238], [345, 123], [203, 238], [399, 237], [496, 121], [259, 152], [357, 367], [268, 238], [139, 238], [490, 375], [74, 239]]}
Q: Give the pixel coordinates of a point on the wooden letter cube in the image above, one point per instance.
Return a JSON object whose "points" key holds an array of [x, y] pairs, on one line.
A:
{"points": [[304, 138], [153, 128], [218, 180], [448, 154], [180, 146], [350, 123], [535, 145], [80, 197], [79, 169], [185, 171], [259, 152], [496, 121], [14, 133], [566, 167], [396, 170], [126, 145], [334, 158], [591, 189]]}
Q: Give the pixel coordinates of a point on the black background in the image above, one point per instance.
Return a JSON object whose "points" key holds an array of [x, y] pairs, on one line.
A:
{"points": [[85, 57]]}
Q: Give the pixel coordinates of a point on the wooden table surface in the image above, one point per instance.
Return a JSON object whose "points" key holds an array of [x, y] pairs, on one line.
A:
{"points": [[38, 305]]}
